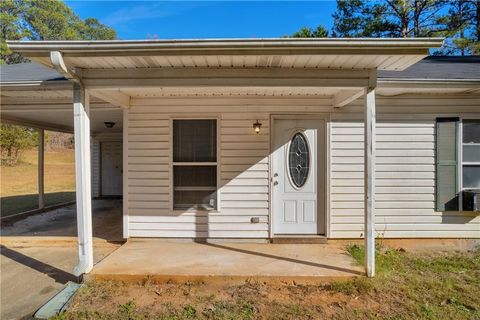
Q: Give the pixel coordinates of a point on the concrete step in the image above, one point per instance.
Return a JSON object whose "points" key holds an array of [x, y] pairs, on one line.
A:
{"points": [[52, 241], [299, 239]]}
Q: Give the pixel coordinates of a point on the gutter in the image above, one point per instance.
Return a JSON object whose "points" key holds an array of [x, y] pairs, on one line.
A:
{"points": [[226, 44]]}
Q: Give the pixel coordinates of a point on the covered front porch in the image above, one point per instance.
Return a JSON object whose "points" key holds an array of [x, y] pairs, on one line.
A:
{"points": [[164, 261], [152, 82]]}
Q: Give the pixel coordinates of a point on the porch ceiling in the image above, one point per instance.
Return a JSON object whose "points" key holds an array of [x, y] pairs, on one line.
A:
{"points": [[322, 53], [50, 107]]}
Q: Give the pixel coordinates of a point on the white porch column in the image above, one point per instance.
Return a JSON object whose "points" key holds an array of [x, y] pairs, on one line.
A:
{"points": [[83, 179], [369, 175], [41, 166]]}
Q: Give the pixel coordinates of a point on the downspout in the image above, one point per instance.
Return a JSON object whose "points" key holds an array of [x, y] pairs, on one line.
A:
{"points": [[85, 249], [58, 63]]}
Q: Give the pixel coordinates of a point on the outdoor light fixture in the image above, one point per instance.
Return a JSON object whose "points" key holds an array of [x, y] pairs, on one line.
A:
{"points": [[109, 124], [257, 126]]}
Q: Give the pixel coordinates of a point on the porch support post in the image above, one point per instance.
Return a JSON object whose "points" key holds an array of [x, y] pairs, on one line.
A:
{"points": [[41, 166], [369, 176], [83, 179]]}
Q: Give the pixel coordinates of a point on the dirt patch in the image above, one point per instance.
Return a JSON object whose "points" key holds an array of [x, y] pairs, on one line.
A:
{"points": [[248, 300], [408, 286]]}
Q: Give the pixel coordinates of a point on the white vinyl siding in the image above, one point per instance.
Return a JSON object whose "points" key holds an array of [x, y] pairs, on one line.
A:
{"points": [[405, 170], [243, 182], [405, 167], [244, 190]]}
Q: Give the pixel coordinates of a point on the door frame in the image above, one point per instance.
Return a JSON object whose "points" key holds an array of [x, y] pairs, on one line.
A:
{"points": [[310, 116]]}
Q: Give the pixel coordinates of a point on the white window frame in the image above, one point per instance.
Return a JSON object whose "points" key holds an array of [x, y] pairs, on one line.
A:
{"points": [[173, 164], [461, 163]]}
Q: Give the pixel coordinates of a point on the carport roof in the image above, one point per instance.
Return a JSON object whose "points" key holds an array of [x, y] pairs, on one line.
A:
{"points": [[28, 72], [439, 68]]}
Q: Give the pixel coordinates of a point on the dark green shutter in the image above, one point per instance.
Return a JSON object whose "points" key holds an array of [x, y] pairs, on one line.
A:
{"points": [[446, 164]]}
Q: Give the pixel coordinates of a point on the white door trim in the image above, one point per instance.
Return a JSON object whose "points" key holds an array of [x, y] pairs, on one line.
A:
{"points": [[313, 116]]}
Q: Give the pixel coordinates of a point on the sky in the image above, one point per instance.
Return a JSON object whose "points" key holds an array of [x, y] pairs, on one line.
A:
{"points": [[206, 19]]}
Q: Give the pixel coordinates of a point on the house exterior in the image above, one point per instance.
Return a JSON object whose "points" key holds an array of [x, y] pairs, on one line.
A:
{"points": [[264, 138]]}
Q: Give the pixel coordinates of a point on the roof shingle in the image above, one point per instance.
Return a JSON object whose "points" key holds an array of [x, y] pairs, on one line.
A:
{"points": [[28, 72], [439, 68]]}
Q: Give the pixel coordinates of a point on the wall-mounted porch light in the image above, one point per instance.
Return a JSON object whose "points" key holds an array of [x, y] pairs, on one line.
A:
{"points": [[109, 124], [257, 126]]}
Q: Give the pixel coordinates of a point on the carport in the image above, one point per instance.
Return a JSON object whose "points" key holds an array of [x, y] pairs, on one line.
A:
{"points": [[38, 97]]}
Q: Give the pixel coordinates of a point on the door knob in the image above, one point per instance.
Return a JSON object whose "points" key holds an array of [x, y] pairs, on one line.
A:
{"points": [[275, 174]]}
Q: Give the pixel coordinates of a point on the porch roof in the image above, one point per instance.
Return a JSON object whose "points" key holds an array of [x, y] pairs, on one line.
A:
{"points": [[334, 53]]}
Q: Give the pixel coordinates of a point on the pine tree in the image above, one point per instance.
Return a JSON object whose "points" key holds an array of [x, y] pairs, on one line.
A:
{"points": [[462, 28], [388, 18], [318, 32]]}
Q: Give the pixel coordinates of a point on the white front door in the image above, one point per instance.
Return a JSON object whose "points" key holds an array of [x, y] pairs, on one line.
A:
{"points": [[298, 176], [112, 159]]}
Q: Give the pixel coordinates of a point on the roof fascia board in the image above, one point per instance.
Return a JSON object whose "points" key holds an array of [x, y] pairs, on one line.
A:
{"points": [[27, 85], [428, 83]]}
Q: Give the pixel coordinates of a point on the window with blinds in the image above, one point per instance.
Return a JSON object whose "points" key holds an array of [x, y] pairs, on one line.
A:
{"points": [[195, 164]]}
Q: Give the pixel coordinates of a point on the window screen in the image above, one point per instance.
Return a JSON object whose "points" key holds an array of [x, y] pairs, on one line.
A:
{"points": [[194, 164], [194, 141]]}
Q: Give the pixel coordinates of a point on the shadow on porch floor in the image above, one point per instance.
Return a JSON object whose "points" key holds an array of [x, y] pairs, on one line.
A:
{"points": [[162, 261]]}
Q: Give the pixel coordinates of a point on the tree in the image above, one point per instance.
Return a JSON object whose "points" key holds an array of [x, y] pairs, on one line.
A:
{"points": [[462, 28], [38, 20], [11, 29], [388, 18], [13, 141], [319, 32], [45, 20]]}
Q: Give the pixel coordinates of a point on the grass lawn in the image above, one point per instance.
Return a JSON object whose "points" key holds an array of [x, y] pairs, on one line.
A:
{"points": [[407, 286], [19, 184]]}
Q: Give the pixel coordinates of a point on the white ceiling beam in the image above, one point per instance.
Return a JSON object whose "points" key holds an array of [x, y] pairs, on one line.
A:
{"points": [[35, 124], [108, 83], [344, 97], [219, 72], [27, 108], [223, 77], [114, 97]]}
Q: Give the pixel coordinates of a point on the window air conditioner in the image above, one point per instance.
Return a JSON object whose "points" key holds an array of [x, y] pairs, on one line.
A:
{"points": [[471, 200]]}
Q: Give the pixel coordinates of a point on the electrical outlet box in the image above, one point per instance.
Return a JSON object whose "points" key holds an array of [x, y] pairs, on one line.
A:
{"points": [[254, 219]]}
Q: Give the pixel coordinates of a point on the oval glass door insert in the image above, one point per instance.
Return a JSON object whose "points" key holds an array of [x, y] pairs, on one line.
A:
{"points": [[299, 160]]}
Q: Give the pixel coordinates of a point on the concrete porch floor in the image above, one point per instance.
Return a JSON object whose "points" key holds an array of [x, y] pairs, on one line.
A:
{"points": [[38, 254], [163, 261], [58, 227]]}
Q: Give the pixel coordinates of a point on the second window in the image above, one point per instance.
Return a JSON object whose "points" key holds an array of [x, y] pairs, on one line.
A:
{"points": [[195, 164]]}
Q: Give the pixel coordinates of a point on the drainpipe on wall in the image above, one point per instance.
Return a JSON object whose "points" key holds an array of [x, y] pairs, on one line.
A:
{"points": [[81, 110], [369, 174]]}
